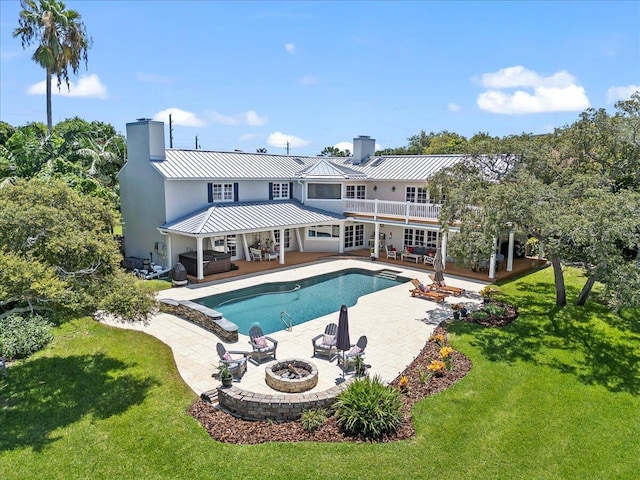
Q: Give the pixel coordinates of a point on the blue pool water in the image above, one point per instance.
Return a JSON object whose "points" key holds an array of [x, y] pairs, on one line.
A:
{"points": [[303, 299]]}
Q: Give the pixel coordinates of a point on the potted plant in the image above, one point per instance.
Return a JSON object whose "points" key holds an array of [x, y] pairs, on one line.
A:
{"points": [[488, 292], [456, 311], [225, 375], [373, 254]]}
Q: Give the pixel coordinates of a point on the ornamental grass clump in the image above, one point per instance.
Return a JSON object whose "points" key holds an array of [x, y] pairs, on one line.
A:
{"points": [[313, 418], [369, 408]]}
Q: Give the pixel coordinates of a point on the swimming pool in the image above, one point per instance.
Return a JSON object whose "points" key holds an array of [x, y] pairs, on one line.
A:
{"points": [[302, 300]]}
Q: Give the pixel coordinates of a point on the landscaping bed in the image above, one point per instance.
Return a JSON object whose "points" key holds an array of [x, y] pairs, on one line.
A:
{"points": [[224, 427]]}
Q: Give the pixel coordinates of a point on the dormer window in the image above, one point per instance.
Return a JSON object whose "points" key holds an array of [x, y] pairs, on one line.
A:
{"points": [[222, 192]]}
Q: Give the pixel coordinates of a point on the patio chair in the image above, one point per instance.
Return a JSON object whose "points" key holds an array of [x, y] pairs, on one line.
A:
{"points": [[443, 288], [391, 253], [237, 366], [263, 346], [324, 344], [256, 254], [348, 359], [421, 291], [270, 256]]}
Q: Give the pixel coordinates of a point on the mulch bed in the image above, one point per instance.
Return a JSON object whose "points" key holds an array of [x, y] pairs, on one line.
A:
{"points": [[226, 428], [492, 321]]}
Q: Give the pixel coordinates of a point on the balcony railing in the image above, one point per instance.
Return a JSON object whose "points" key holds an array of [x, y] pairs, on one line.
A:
{"points": [[388, 209]]}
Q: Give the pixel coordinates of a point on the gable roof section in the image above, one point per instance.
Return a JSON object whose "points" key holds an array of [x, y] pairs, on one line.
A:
{"points": [[224, 218], [202, 164], [324, 169]]}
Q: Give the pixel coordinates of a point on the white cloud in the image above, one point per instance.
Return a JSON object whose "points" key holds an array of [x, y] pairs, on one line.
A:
{"points": [[153, 78], [621, 93], [556, 93], [179, 117], [253, 119], [290, 48], [279, 140], [308, 80], [249, 117], [344, 146], [453, 107], [87, 87]]}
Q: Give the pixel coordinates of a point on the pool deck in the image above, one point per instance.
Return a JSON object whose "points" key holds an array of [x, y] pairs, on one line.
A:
{"points": [[396, 325]]}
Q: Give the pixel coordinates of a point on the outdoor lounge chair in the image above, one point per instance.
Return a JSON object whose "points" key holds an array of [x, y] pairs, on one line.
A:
{"points": [[263, 346], [237, 366], [256, 255], [348, 359], [324, 344], [390, 252], [441, 287], [420, 290]]}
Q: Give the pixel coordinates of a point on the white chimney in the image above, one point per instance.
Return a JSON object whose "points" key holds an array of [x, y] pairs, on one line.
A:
{"points": [[363, 148]]}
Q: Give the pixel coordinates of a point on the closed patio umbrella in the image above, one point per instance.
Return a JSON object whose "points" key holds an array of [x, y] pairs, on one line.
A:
{"points": [[343, 343], [437, 265]]}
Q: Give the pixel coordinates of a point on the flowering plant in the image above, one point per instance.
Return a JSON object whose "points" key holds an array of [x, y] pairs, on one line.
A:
{"points": [[437, 367], [445, 352], [404, 383], [437, 338], [456, 306]]}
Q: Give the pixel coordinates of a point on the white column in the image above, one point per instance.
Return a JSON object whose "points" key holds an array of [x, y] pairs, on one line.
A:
{"points": [[510, 253], [199, 257], [443, 249], [376, 241], [299, 239], [540, 250], [492, 260], [245, 247], [281, 256], [341, 246]]}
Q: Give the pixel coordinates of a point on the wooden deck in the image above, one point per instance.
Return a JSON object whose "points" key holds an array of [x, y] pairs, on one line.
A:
{"points": [[520, 265]]}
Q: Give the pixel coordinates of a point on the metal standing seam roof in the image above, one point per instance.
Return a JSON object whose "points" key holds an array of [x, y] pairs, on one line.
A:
{"points": [[202, 164], [224, 218]]}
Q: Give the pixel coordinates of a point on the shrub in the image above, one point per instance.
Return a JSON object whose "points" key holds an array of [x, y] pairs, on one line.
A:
{"points": [[495, 310], [480, 315], [22, 336], [313, 419], [368, 408]]}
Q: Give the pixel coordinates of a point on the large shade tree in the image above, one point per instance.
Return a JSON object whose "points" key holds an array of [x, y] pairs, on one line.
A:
{"points": [[576, 192], [60, 37], [57, 254]]}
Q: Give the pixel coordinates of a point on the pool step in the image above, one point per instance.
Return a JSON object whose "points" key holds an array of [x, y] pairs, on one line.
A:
{"points": [[390, 274]]}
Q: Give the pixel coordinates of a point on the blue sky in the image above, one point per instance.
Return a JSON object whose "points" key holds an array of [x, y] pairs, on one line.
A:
{"points": [[246, 75]]}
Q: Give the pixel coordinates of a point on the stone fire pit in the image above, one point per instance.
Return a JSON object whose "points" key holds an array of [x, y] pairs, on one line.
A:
{"points": [[293, 375]]}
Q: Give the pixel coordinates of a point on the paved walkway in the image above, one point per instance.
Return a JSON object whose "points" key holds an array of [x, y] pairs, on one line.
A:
{"points": [[396, 325]]}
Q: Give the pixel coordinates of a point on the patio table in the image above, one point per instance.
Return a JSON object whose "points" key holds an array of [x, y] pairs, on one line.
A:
{"points": [[411, 256]]}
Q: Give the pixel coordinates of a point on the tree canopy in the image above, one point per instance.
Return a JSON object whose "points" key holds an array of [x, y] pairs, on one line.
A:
{"points": [[57, 254], [576, 191], [86, 155]]}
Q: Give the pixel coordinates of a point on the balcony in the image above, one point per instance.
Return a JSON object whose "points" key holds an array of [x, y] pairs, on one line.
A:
{"points": [[387, 210]]}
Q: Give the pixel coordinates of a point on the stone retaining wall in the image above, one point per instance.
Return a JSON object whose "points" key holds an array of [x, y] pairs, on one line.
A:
{"points": [[276, 407], [202, 316]]}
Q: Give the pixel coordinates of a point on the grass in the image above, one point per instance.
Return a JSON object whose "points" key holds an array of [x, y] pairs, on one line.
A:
{"points": [[554, 395]]}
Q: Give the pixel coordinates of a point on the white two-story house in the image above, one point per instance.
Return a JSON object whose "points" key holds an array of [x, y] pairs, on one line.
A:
{"points": [[176, 200]]}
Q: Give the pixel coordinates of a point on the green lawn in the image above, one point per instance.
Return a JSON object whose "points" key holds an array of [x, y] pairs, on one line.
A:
{"points": [[554, 395]]}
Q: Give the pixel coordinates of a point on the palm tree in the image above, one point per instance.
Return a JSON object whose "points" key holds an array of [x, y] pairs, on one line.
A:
{"points": [[61, 37]]}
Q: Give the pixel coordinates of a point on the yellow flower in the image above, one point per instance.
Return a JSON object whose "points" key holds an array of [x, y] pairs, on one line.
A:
{"points": [[437, 337], [404, 381], [437, 366], [445, 352]]}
